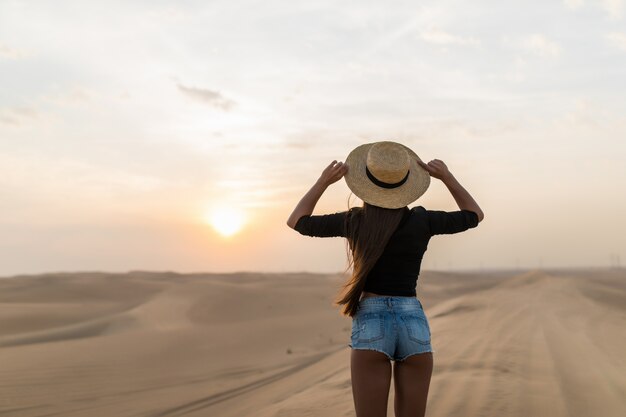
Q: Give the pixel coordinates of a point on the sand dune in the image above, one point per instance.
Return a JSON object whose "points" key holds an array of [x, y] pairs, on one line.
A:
{"points": [[509, 343]]}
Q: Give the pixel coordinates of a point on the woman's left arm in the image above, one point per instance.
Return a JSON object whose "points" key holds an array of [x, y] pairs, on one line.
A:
{"points": [[331, 174]]}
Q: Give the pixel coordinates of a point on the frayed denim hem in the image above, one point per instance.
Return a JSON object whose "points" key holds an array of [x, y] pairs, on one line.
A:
{"points": [[377, 350], [415, 353]]}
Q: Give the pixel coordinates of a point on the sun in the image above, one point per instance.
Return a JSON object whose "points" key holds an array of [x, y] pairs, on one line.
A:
{"points": [[225, 220]]}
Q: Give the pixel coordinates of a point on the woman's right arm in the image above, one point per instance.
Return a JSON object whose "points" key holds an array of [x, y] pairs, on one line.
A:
{"points": [[438, 169]]}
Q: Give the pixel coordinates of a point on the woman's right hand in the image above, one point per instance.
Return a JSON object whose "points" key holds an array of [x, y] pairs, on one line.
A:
{"points": [[436, 168]]}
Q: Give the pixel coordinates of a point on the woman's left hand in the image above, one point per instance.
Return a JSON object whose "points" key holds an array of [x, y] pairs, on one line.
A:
{"points": [[333, 173]]}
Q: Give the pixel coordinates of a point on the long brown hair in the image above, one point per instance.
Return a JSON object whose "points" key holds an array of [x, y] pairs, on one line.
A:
{"points": [[369, 229]]}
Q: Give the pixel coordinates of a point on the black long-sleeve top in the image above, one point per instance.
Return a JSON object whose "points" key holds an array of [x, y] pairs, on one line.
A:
{"points": [[397, 270]]}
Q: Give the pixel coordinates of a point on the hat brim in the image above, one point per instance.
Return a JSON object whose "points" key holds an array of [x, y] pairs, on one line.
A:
{"points": [[359, 183]]}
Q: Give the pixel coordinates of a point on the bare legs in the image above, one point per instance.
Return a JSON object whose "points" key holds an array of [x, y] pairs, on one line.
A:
{"points": [[411, 379], [371, 379]]}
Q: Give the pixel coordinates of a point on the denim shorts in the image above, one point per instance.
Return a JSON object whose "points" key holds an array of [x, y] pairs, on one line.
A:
{"points": [[394, 325]]}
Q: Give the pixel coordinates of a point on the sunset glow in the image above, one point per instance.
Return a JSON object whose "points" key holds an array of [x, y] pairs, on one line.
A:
{"points": [[225, 220]]}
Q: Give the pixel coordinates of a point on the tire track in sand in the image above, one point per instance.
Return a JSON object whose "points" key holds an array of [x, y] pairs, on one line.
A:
{"points": [[472, 382], [212, 399]]}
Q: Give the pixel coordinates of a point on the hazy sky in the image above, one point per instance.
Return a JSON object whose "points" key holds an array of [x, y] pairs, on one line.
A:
{"points": [[124, 124]]}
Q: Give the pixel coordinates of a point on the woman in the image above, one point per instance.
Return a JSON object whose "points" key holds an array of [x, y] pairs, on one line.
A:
{"points": [[386, 241]]}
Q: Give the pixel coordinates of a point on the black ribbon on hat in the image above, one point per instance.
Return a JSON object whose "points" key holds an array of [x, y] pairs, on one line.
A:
{"points": [[386, 184]]}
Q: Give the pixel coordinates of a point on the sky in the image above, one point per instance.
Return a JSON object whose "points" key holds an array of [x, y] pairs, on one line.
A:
{"points": [[126, 126]]}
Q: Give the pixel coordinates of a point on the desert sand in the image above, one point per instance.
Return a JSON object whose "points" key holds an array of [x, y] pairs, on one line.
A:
{"points": [[507, 343]]}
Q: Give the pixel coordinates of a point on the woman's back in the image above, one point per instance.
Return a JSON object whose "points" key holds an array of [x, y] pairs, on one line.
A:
{"points": [[397, 270]]}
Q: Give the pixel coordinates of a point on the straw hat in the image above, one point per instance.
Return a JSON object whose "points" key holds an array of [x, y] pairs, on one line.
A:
{"points": [[386, 174]]}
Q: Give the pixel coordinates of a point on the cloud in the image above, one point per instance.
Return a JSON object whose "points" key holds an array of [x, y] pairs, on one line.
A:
{"points": [[613, 8], [442, 37], [70, 96], [591, 115], [12, 53], [584, 114], [210, 97], [618, 39], [536, 44], [168, 13], [17, 116], [23, 115], [540, 45], [7, 119], [573, 4], [402, 24], [516, 75]]}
